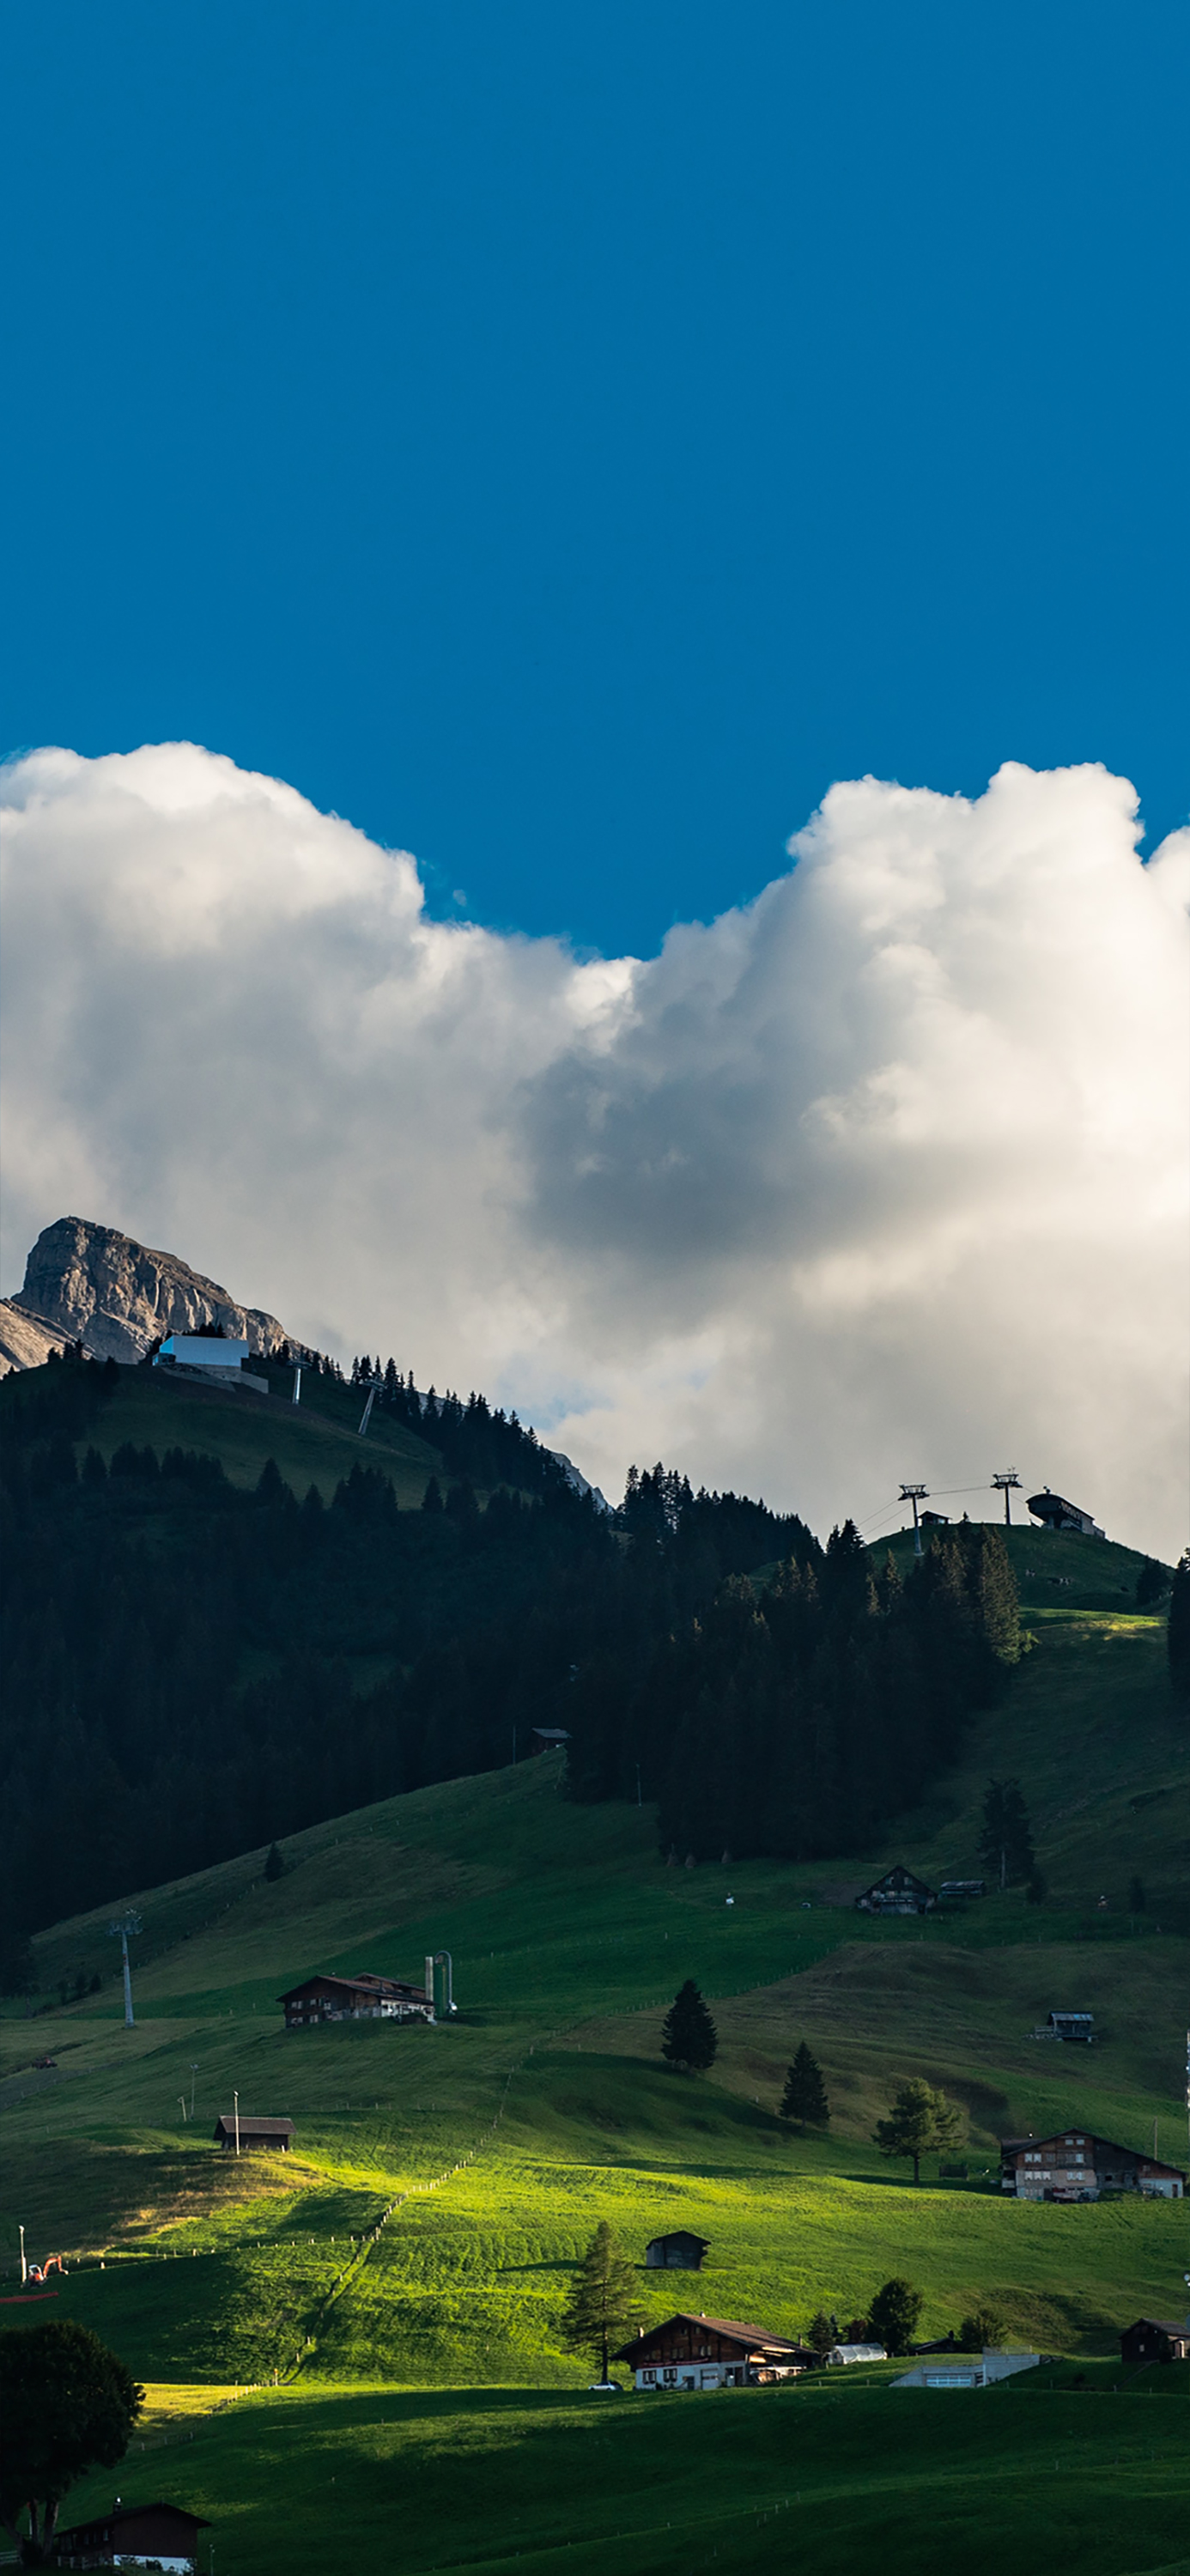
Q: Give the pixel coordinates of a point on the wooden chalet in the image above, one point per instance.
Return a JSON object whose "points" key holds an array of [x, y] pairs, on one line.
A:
{"points": [[241, 2131], [548, 1739], [1154, 2339], [363, 1997], [898, 1892], [712, 2352], [1077, 2165], [678, 2252], [139, 2535]]}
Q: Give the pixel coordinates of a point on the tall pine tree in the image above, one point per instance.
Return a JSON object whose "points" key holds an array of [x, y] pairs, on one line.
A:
{"points": [[1006, 1842], [602, 2301], [804, 2098], [688, 2035]]}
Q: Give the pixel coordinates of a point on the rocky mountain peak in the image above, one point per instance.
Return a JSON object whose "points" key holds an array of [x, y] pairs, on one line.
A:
{"points": [[89, 1283]]}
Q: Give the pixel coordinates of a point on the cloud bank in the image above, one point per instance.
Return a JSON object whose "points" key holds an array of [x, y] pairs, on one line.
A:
{"points": [[881, 1177]]}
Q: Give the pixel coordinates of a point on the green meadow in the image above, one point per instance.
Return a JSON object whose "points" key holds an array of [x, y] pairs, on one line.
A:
{"points": [[354, 2351], [315, 1442]]}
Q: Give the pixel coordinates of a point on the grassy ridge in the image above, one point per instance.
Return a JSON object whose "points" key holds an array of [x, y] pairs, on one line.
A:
{"points": [[315, 1442]]}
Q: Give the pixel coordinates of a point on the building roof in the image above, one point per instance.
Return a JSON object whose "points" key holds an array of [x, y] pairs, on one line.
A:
{"points": [[1054, 1507], [365, 1981], [679, 2235], [103, 2522], [1092, 2138], [210, 1350], [1160, 2325], [261, 2127], [757, 2338], [553, 1734], [898, 1876]]}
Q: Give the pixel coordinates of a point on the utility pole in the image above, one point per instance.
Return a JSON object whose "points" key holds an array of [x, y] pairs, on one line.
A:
{"points": [[123, 1931], [235, 2103], [297, 1381], [639, 1799], [24, 2265], [193, 2074], [1007, 1483], [915, 1494], [373, 1385]]}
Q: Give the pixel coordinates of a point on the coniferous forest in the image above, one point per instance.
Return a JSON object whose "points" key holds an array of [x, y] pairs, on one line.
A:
{"points": [[183, 1659]]}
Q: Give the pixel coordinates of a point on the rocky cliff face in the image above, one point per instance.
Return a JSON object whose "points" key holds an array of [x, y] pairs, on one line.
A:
{"points": [[24, 1343], [88, 1283]]}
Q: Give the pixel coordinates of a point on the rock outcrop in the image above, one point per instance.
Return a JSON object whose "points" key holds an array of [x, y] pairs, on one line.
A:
{"points": [[24, 1342], [90, 1284]]}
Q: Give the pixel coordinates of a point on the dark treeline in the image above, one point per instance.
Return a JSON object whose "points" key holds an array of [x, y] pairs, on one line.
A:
{"points": [[183, 1659], [475, 1440]]}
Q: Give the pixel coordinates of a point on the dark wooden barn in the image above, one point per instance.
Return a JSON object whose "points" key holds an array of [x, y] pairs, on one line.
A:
{"points": [[247, 2129], [678, 2252], [1154, 2339], [145, 2535], [898, 1892]]}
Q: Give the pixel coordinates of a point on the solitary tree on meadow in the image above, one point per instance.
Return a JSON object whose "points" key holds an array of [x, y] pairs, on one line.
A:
{"points": [[919, 2121], [804, 2098], [603, 2301], [67, 2405], [688, 2035]]}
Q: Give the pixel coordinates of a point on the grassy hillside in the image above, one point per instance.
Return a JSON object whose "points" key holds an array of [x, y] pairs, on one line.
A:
{"points": [[422, 2235], [315, 1442], [1054, 1569], [1039, 2475]]}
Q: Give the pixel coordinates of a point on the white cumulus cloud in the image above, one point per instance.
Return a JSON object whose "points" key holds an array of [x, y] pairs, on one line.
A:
{"points": [[883, 1176]]}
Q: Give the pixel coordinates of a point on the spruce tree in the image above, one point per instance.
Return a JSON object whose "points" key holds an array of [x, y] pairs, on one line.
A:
{"points": [[804, 2098], [274, 1866], [688, 2035], [603, 2300], [1006, 1842], [822, 2333]]}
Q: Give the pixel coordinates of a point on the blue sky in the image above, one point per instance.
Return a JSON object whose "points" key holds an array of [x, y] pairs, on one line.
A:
{"points": [[564, 439]]}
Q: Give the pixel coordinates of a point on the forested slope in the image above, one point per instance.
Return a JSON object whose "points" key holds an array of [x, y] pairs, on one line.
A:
{"points": [[197, 1663]]}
